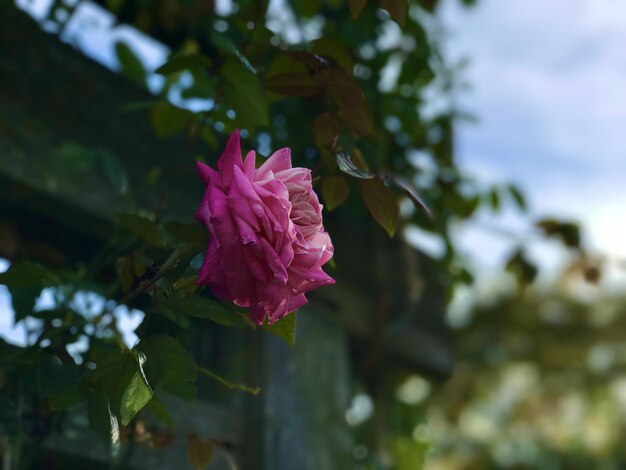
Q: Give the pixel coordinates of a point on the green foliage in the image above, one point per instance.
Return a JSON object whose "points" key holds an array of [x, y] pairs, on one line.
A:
{"points": [[284, 328], [185, 62], [244, 94], [120, 378], [381, 202], [130, 64], [335, 191], [169, 365], [201, 307]]}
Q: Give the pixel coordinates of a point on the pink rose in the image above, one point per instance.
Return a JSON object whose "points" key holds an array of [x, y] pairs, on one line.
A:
{"points": [[267, 244]]}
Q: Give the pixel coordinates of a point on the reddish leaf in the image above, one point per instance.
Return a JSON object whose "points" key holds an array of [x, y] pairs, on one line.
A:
{"points": [[358, 118], [381, 202], [293, 84], [343, 88], [335, 191], [325, 129], [398, 9]]}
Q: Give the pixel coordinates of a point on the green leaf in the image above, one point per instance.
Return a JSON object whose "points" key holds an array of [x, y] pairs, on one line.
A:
{"points": [[114, 171], [335, 50], [202, 307], [55, 378], [135, 397], [356, 6], [200, 452], [567, 232], [335, 191], [348, 164], [144, 228], [119, 376], [173, 316], [23, 300], [73, 397], [28, 274], [9, 422], [244, 93], [102, 419], [494, 199], [168, 120], [160, 411], [524, 271], [284, 328], [518, 197], [293, 84], [194, 234], [186, 62], [130, 64], [125, 272], [226, 45], [397, 9], [168, 364], [382, 203]]}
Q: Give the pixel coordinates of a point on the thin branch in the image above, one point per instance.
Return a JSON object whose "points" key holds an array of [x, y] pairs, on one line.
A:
{"points": [[226, 383]]}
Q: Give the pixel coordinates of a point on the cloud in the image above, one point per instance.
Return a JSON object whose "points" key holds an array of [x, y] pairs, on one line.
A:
{"points": [[548, 89]]}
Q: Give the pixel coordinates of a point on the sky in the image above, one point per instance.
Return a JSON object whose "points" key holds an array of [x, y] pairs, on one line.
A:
{"points": [[548, 91]]}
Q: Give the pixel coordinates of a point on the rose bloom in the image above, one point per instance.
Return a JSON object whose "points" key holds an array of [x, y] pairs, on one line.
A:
{"points": [[267, 243]]}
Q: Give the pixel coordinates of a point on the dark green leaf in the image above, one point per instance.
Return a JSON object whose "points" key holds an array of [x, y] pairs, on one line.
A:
{"points": [[168, 120], [114, 171], [335, 191], [334, 50], [119, 376], [226, 45], [494, 199], [382, 203], [144, 228], [130, 64], [102, 419], [284, 328], [567, 232], [524, 271], [178, 318], [55, 378], [188, 233], [23, 300], [518, 197], [27, 275], [202, 307], [186, 62], [168, 363], [160, 411], [9, 423], [244, 93]]}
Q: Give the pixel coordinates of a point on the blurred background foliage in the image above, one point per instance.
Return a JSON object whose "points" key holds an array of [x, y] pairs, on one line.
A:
{"points": [[362, 93]]}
